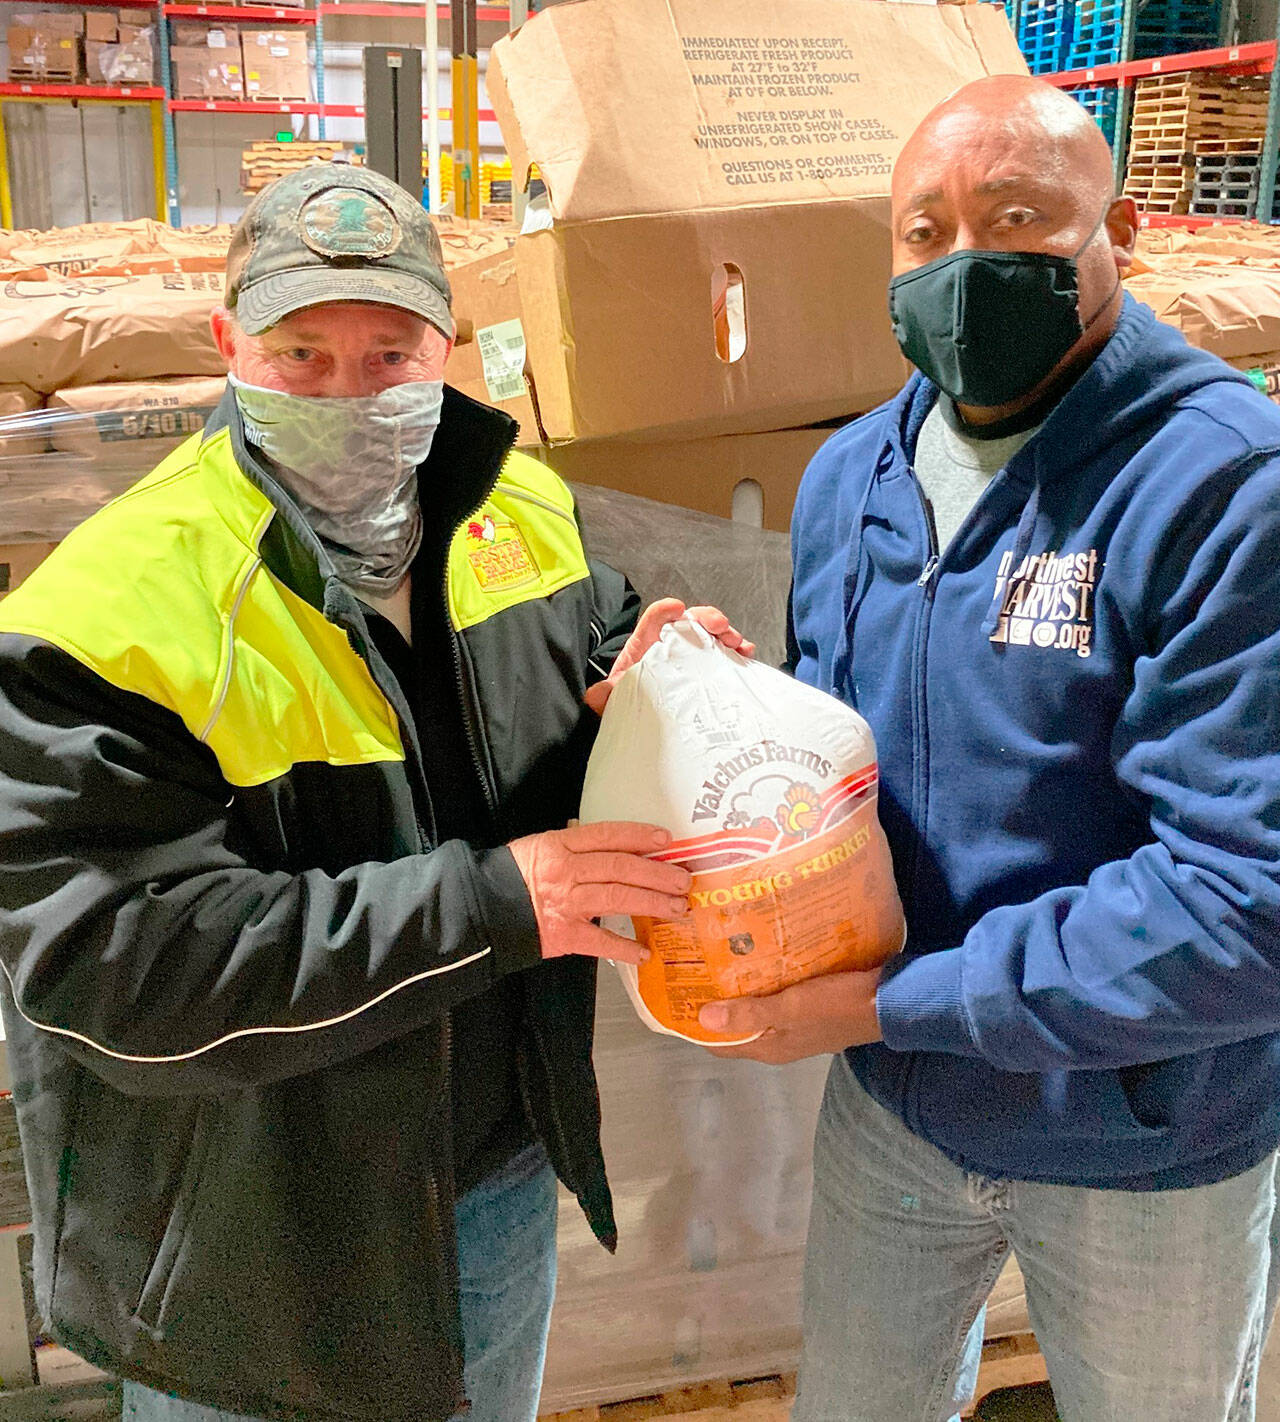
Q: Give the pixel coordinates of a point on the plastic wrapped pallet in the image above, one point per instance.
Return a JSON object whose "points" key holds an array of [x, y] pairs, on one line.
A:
{"points": [[59, 465], [17, 402], [706, 1281], [128, 60], [131, 421]]}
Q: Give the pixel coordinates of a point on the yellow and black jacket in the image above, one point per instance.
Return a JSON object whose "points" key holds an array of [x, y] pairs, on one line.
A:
{"points": [[233, 939]]}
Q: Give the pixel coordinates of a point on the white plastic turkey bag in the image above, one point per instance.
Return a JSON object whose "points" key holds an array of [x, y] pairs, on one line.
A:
{"points": [[769, 790]]}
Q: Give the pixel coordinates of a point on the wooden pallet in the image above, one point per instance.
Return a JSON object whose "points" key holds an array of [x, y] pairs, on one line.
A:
{"points": [[766, 1399], [1229, 147], [264, 161], [1013, 1361]]}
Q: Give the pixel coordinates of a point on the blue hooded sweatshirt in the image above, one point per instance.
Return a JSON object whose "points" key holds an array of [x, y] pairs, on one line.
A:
{"points": [[1077, 711]]}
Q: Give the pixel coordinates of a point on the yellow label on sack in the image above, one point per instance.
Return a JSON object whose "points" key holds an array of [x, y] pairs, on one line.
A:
{"points": [[499, 556]]}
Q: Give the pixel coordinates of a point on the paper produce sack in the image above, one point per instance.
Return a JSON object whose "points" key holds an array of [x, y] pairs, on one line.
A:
{"points": [[769, 790], [21, 431], [138, 420], [82, 331]]}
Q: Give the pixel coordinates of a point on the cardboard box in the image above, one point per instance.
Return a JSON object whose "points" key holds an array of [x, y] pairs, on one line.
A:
{"points": [[64, 23], [203, 73], [101, 26], [19, 560], [189, 34], [130, 61], [489, 362], [259, 45], [703, 474], [697, 157], [277, 79], [46, 54]]}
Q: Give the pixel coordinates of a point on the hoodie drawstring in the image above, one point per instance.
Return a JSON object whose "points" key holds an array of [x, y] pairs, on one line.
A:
{"points": [[1021, 545]]}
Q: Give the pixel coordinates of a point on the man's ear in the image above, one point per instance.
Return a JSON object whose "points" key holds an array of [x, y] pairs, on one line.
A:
{"points": [[223, 325], [1122, 229]]}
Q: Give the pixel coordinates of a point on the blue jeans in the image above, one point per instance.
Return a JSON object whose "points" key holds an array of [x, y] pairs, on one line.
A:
{"points": [[1146, 1305], [507, 1268]]}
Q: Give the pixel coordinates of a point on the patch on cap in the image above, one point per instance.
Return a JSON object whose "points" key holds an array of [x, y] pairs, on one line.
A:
{"points": [[348, 222]]}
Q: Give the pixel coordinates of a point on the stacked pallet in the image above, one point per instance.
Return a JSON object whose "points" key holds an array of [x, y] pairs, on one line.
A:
{"points": [[1096, 34], [1172, 113], [1044, 29], [265, 161], [1227, 172], [1103, 104], [1175, 26]]}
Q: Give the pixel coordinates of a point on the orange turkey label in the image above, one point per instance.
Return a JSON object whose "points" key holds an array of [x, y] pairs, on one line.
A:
{"points": [[823, 900]]}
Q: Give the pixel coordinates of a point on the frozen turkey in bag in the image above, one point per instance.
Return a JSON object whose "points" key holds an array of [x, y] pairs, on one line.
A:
{"points": [[769, 789]]}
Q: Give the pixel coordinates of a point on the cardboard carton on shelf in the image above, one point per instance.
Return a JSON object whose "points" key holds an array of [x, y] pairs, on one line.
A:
{"points": [[716, 252], [258, 45], [101, 27], [188, 34], [46, 48], [131, 60], [203, 73], [271, 78]]}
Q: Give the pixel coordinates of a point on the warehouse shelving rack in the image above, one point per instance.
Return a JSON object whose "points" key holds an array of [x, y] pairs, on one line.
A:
{"points": [[1253, 58], [164, 105]]}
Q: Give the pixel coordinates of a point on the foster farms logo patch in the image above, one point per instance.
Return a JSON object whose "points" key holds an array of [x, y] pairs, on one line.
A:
{"points": [[499, 556]]}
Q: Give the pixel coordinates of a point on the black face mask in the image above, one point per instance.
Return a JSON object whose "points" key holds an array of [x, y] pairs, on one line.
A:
{"points": [[988, 327]]}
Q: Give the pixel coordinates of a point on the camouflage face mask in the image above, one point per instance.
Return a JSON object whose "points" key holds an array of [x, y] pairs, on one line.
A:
{"points": [[351, 466]]}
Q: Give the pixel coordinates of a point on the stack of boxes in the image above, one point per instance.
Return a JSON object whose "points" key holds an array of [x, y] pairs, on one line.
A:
{"points": [[206, 61], [239, 63], [649, 337], [47, 48], [77, 47], [118, 47], [275, 63]]}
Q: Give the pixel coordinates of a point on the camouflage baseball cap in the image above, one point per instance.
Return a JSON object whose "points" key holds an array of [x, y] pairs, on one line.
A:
{"points": [[330, 232]]}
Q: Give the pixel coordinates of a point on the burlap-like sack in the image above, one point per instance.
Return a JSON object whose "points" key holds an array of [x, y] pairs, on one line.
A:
{"points": [[135, 248], [66, 331], [203, 240], [464, 240], [139, 420]]}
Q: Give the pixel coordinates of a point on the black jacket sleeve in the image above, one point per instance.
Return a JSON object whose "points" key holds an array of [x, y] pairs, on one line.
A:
{"points": [[614, 614], [133, 930]]}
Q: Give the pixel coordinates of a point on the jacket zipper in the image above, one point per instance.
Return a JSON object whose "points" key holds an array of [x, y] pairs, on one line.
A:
{"points": [[478, 763], [920, 731]]}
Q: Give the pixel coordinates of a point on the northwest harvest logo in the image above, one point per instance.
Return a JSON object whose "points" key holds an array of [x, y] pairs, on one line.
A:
{"points": [[1047, 601]]}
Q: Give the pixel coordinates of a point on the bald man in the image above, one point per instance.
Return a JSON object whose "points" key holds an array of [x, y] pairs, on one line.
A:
{"points": [[1048, 574]]}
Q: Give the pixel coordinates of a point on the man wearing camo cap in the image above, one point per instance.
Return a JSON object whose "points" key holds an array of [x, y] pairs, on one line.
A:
{"points": [[302, 955]]}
